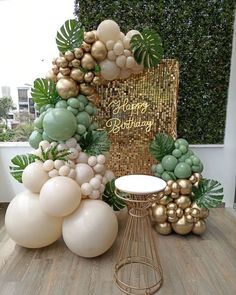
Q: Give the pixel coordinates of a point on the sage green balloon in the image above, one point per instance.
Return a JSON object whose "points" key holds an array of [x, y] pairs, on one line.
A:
{"points": [[73, 102], [35, 138], [61, 104], [59, 124], [83, 118], [183, 170]]}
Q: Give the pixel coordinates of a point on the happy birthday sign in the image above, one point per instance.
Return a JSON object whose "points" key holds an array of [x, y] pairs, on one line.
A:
{"points": [[134, 110]]}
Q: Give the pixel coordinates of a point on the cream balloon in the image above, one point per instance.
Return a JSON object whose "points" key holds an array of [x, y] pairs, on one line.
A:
{"points": [[34, 176], [131, 33], [109, 70], [84, 173], [125, 73], [108, 30], [60, 196], [91, 229], [121, 61], [28, 225], [111, 55]]}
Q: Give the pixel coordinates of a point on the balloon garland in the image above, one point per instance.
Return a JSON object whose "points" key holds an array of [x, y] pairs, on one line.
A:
{"points": [[184, 204], [66, 175]]}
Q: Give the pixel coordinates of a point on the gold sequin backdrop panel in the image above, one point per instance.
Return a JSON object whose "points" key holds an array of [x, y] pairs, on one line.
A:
{"points": [[134, 110]]}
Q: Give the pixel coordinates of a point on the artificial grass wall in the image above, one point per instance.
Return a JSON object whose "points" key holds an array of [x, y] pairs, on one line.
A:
{"points": [[198, 34]]}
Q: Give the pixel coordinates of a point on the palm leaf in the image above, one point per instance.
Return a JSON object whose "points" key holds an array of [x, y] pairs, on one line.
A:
{"points": [[44, 92], [110, 197], [70, 36], [147, 48], [208, 194], [95, 142], [161, 146], [20, 162]]}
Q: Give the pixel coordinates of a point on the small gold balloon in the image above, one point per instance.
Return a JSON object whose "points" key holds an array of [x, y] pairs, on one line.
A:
{"points": [[160, 195], [175, 187], [54, 60], [198, 176], [89, 37], [163, 228], [69, 55], [78, 53], [204, 212], [159, 213], [172, 206], [65, 71], [185, 186], [182, 227], [172, 219], [192, 179], [174, 195], [195, 212], [170, 182], [86, 89], [183, 201], [179, 212], [171, 213], [59, 76], [167, 190], [67, 87], [165, 200], [62, 62], [55, 69], [77, 75], [51, 76], [187, 210], [189, 218], [195, 219], [199, 227], [94, 98], [75, 63], [88, 62], [88, 77], [86, 47], [99, 51], [97, 80]]}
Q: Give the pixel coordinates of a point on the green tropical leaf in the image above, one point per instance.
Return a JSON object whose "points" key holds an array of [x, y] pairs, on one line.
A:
{"points": [[147, 48], [44, 92], [70, 36], [161, 146], [208, 194], [95, 142], [110, 197], [20, 162]]}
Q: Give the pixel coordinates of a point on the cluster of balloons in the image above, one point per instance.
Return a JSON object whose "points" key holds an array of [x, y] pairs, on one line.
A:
{"points": [[61, 197]]}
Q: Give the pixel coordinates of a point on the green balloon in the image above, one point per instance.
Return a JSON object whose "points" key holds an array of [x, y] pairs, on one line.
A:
{"points": [[159, 168], [89, 109], [182, 141], [83, 118], [81, 129], [61, 104], [59, 124], [46, 137], [83, 99], [183, 170], [73, 110], [38, 122], [35, 138], [169, 162], [73, 102]]}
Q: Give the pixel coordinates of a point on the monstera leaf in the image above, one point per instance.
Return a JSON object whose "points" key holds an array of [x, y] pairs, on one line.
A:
{"points": [[208, 194], [111, 198], [95, 142], [70, 36], [147, 48], [20, 162], [161, 146], [44, 92]]}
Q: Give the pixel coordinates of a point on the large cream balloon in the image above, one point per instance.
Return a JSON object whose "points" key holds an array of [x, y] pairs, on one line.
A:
{"points": [[34, 177], [91, 229], [131, 33], [108, 30], [28, 225], [109, 70], [84, 173], [60, 196]]}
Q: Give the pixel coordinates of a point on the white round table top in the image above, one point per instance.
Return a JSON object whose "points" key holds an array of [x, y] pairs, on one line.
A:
{"points": [[140, 184]]}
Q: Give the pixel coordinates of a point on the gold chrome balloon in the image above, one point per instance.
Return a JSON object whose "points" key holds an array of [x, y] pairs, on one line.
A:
{"points": [[97, 80], [86, 47], [179, 212], [94, 98], [62, 62], [175, 187], [159, 213], [77, 75], [189, 218], [195, 212], [163, 228], [174, 195], [89, 37], [65, 71], [182, 227], [167, 190], [183, 201], [88, 77], [165, 200], [86, 89], [193, 179], [187, 210], [99, 51], [51, 76], [171, 213], [199, 227], [87, 62], [55, 69], [204, 212], [173, 219], [170, 182], [185, 186], [78, 53], [69, 55], [67, 87], [59, 76], [172, 206], [75, 63]]}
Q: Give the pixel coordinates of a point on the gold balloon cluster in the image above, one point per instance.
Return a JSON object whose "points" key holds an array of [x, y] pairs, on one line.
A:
{"points": [[175, 210], [75, 72]]}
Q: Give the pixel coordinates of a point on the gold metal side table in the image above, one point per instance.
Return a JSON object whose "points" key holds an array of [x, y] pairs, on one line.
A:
{"points": [[138, 270]]}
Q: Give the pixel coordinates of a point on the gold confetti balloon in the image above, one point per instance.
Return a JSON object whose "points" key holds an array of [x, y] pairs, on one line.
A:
{"points": [[163, 228]]}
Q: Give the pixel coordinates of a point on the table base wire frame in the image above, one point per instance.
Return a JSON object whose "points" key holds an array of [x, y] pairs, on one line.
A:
{"points": [[138, 270]]}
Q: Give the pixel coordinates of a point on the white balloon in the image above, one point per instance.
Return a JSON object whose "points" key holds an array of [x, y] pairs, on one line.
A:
{"points": [[58, 164], [53, 173], [131, 33], [83, 173], [130, 62], [44, 144], [118, 48], [60, 196], [125, 73], [109, 70], [72, 173], [109, 175], [64, 170], [121, 61], [48, 165], [82, 158], [108, 30], [95, 182], [86, 189], [99, 168], [92, 161], [91, 229], [101, 159], [28, 225], [71, 143], [110, 44], [34, 177], [95, 194], [126, 42], [122, 35], [111, 55], [127, 52]]}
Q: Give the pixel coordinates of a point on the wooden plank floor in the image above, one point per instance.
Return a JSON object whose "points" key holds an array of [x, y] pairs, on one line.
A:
{"points": [[192, 265]]}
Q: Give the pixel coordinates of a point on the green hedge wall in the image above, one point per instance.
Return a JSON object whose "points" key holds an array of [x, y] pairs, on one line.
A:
{"points": [[199, 35]]}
